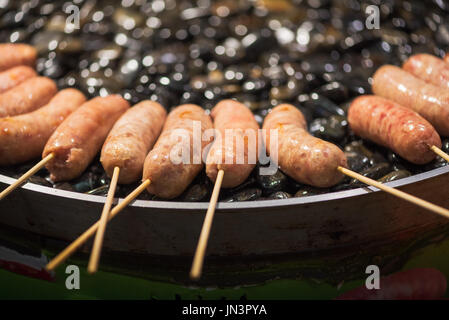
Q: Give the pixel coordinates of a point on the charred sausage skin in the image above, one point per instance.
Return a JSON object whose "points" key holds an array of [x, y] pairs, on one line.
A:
{"points": [[129, 141], [430, 101], [230, 115], [303, 157], [79, 138], [169, 180], [394, 126]]}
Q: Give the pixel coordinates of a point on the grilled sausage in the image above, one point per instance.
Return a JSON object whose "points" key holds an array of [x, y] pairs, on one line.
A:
{"points": [[300, 155], [170, 178], [27, 96], [23, 137], [430, 101], [129, 141], [414, 284], [428, 68], [79, 138], [394, 126], [232, 116], [14, 76], [12, 55]]}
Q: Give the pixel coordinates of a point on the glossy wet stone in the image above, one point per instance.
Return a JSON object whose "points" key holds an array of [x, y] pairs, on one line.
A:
{"points": [[332, 128], [46, 41], [395, 175], [309, 191], [358, 147], [64, 186], [110, 52], [245, 195], [195, 193], [40, 180], [287, 92], [127, 19], [400, 163], [279, 195], [377, 171], [272, 183], [100, 191], [255, 86], [357, 86], [320, 105], [335, 91], [445, 145], [437, 163], [357, 161]]}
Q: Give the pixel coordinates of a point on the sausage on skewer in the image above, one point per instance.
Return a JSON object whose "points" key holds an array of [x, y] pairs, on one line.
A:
{"points": [[229, 162], [12, 55], [232, 116], [27, 96], [317, 162], [79, 138], [169, 180], [23, 137], [14, 76], [129, 141], [303, 157], [122, 156], [394, 126], [430, 101]]}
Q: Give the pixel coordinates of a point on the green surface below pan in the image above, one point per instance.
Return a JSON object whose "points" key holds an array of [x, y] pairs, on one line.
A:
{"points": [[109, 285]]}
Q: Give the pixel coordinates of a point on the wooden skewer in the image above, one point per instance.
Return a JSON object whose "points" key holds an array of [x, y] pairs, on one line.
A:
{"points": [[56, 261], [92, 267], [26, 176], [405, 196], [440, 152], [197, 265]]}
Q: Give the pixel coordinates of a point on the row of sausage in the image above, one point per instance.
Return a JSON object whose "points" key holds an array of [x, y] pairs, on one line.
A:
{"points": [[36, 120]]}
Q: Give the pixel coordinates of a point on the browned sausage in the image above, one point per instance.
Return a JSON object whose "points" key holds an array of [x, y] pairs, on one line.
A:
{"points": [[14, 76], [428, 100], [79, 138], [394, 126], [300, 155], [428, 68], [27, 96], [230, 115], [129, 141], [12, 55], [23, 137], [169, 179]]}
